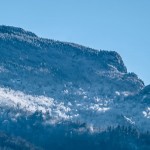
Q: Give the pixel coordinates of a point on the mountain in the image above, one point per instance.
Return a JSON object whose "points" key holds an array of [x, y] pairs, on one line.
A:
{"points": [[53, 82]]}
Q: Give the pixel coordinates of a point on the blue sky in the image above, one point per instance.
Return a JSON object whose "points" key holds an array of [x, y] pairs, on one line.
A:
{"points": [[120, 25]]}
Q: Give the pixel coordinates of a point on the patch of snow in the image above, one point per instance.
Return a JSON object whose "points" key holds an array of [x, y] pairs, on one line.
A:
{"points": [[129, 120], [146, 113], [66, 91], [31, 104]]}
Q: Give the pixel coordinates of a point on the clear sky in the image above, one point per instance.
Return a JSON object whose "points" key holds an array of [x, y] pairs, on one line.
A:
{"points": [[120, 25]]}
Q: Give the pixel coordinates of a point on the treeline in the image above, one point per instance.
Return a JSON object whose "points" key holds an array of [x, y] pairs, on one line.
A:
{"points": [[70, 136], [8, 142]]}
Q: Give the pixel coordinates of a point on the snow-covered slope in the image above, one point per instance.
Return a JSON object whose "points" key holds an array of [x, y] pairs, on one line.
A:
{"points": [[68, 82]]}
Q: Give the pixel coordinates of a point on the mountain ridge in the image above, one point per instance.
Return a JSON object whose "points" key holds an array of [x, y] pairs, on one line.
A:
{"points": [[13, 31]]}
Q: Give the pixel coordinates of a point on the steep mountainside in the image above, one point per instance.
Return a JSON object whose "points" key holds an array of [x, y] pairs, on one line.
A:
{"points": [[67, 82]]}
